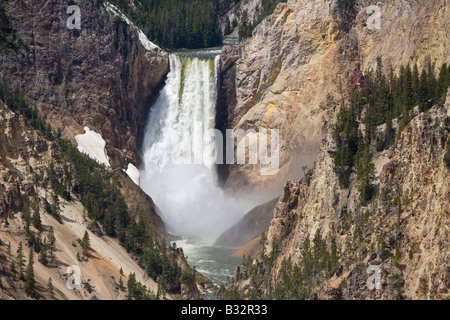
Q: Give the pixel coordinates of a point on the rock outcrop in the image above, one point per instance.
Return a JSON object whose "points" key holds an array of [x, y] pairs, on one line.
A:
{"points": [[402, 235], [100, 76], [252, 225], [25, 192], [291, 73], [252, 9]]}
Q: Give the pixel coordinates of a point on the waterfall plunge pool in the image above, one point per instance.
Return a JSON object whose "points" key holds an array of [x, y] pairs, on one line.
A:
{"points": [[191, 203]]}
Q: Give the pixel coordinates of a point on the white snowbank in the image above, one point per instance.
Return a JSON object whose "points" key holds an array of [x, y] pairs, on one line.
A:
{"points": [[148, 45], [133, 173], [116, 12], [92, 144]]}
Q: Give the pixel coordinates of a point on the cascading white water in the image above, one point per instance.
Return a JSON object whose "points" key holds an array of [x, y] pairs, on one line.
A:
{"points": [[183, 184]]}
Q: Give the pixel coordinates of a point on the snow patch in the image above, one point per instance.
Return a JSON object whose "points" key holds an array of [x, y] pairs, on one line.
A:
{"points": [[147, 44], [92, 144], [133, 173], [116, 12]]}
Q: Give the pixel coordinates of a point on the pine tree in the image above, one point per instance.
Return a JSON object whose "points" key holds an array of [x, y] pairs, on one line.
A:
{"points": [[389, 131], [50, 287], [54, 209], [12, 268], [408, 95], [85, 243], [366, 173], [26, 216], [441, 86], [30, 282], [37, 219], [415, 81], [227, 29], [43, 257], [423, 91], [121, 286], [131, 285], [51, 244], [432, 82], [20, 261], [37, 245], [447, 154], [448, 76]]}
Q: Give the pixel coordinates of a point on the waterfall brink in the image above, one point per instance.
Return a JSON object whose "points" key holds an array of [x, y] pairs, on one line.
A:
{"points": [[177, 171]]}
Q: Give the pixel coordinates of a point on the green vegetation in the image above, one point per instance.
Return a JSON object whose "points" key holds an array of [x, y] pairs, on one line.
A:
{"points": [[30, 282], [85, 243], [246, 27], [98, 190], [137, 291], [175, 24], [376, 100], [191, 24], [345, 13], [8, 38], [294, 280], [365, 173], [383, 100], [447, 154], [346, 7]]}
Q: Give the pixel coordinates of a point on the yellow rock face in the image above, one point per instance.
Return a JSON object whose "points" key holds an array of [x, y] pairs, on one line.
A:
{"points": [[302, 55]]}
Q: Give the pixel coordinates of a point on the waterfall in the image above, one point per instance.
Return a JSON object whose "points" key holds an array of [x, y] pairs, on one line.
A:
{"points": [[177, 171]]}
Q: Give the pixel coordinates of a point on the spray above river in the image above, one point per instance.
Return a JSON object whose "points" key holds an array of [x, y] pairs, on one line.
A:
{"points": [[184, 184]]}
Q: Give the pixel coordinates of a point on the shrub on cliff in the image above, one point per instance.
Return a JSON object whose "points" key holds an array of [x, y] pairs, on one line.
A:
{"points": [[447, 155]]}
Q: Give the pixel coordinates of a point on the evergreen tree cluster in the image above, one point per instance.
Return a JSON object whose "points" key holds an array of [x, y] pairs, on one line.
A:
{"points": [[293, 281], [246, 27], [346, 7], [98, 189], [175, 24], [9, 41], [386, 98], [447, 154], [15, 100], [136, 290], [42, 243], [19, 269]]}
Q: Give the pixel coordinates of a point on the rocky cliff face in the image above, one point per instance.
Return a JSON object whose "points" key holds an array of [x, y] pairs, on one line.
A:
{"points": [[403, 233], [100, 76], [25, 190], [103, 76], [236, 12], [10, 194], [24, 155], [291, 73], [252, 225]]}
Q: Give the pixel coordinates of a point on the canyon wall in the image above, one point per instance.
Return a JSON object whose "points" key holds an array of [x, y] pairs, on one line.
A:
{"points": [[103, 76], [291, 73], [403, 232], [100, 76], [323, 243]]}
